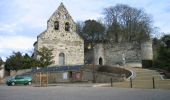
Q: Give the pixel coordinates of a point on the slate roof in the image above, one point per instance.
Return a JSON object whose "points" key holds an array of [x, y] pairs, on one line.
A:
{"points": [[58, 69]]}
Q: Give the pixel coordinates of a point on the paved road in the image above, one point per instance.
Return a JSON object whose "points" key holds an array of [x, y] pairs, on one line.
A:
{"points": [[80, 93]]}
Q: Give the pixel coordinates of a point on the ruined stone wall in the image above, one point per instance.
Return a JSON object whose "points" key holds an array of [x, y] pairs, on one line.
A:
{"points": [[114, 53]]}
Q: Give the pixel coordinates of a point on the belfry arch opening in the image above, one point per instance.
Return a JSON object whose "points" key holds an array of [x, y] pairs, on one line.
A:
{"points": [[100, 61], [61, 59], [56, 25], [67, 26]]}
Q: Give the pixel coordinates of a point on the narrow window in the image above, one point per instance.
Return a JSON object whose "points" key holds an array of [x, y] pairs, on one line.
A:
{"points": [[56, 25], [61, 59], [67, 26]]}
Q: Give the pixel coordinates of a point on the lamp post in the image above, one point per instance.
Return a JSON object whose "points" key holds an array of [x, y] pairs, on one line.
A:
{"points": [[91, 46]]}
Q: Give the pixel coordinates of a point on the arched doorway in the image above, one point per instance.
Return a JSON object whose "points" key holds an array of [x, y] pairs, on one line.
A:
{"points": [[100, 61], [61, 59]]}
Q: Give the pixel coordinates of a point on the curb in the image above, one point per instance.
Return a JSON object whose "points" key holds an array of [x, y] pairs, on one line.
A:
{"points": [[100, 85]]}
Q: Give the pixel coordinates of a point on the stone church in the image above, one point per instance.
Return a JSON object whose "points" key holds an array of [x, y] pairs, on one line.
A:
{"points": [[61, 37]]}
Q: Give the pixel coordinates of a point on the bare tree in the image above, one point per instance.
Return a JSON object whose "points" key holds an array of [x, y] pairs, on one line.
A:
{"points": [[127, 24]]}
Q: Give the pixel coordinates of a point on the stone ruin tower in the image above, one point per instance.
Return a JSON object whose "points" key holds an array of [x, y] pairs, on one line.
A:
{"points": [[147, 54], [61, 36]]}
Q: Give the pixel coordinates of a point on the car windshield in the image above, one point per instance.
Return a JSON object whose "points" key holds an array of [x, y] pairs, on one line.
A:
{"points": [[11, 77]]}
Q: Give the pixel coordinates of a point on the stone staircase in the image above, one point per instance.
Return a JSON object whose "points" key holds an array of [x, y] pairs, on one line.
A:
{"points": [[144, 79]]}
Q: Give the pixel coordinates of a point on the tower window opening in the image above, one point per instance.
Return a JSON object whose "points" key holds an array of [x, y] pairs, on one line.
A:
{"points": [[56, 25], [67, 26]]}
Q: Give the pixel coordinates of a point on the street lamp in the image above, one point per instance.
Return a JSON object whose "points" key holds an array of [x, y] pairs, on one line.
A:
{"points": [[91, 46]]}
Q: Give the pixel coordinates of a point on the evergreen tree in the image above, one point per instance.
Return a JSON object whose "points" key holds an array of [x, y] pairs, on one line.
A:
{"points": [[18, 61], [162, 58], [1, 61], [45, 57]]}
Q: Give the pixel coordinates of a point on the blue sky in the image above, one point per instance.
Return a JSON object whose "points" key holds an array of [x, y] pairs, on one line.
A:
{"points": [[22, 20]]}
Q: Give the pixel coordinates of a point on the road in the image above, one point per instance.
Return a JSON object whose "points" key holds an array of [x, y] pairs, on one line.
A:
{"points": [[80, 93]]}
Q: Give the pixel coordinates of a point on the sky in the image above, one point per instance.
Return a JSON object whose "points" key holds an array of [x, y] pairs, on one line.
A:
{"points": [[22, 20]]}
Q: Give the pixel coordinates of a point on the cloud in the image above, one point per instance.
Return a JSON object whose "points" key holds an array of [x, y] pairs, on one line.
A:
{"points": [[8, 44], [22, 20], [10, 28], [16, 42]]}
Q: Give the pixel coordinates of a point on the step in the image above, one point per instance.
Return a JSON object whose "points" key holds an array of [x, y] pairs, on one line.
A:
{"points": [[148, 77]]}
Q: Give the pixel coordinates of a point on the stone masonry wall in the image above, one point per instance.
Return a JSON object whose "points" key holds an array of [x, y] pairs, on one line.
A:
{"points": [[114, 54], [101, 77]]}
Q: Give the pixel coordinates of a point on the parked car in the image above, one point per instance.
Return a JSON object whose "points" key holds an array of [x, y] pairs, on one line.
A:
{"points": [[25, 80]]}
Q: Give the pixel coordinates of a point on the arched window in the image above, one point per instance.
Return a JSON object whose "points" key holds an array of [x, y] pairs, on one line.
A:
{"points": [[61, 59], [100, 61], [67, 26], [56, 25]]}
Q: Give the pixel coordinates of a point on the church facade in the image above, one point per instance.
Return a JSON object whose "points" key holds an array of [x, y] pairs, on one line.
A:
{"points": [[61, 37]]}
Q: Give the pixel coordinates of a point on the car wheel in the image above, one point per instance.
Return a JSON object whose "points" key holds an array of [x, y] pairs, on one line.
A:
{"points": [[12, 83], [29, 83], [8, 84]]}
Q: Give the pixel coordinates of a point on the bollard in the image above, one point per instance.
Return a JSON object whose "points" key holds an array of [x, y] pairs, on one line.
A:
{"points": [[131, 82], [153, 80], [40, 80], [111, 81]]}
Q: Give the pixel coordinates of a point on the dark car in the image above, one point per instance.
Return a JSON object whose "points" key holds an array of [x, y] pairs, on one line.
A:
{"points": [[25, 80]]}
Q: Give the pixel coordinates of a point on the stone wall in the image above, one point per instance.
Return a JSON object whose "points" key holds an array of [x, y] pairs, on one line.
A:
{"points": [[2, 71], [113, 54], [23, 71], [59, 77], [101, 77], [52, 77]]}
